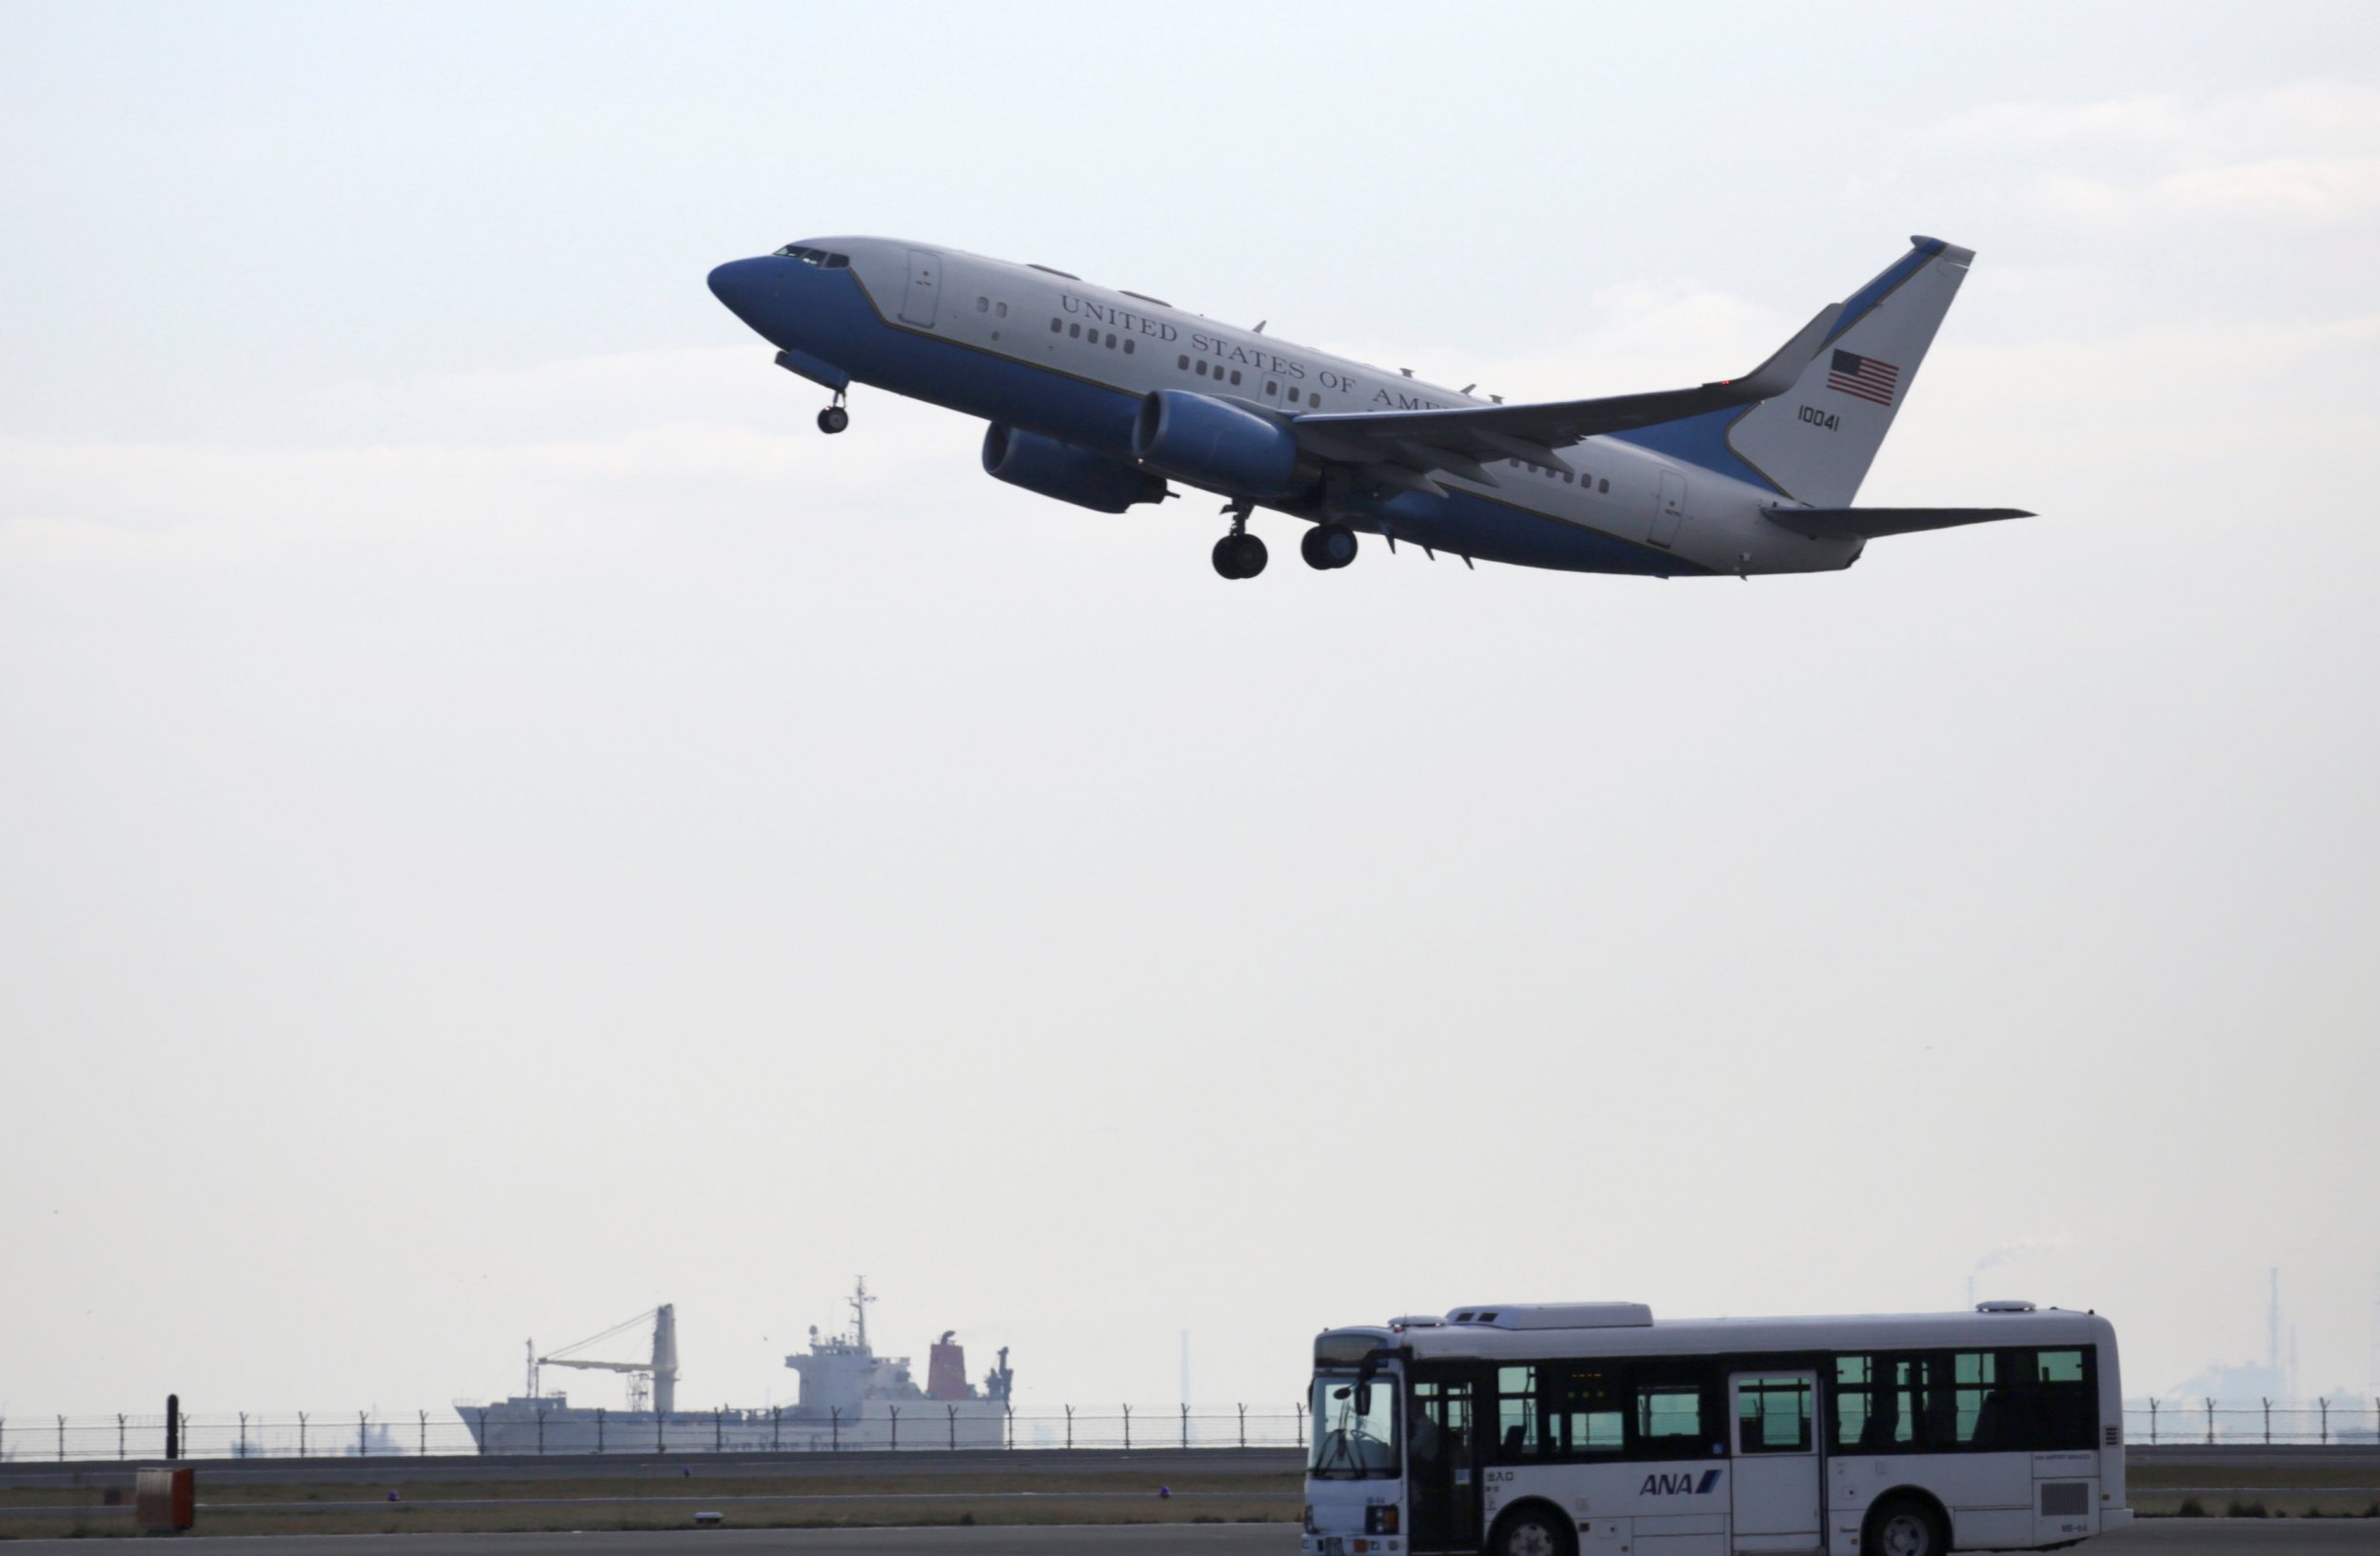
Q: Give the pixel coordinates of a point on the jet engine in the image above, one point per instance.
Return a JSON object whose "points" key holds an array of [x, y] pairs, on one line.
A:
{"points": [[1062, 470], [1223, 446]]}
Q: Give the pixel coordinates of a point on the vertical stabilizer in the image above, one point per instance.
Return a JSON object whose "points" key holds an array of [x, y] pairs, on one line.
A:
{"points": [[1816, 440]]}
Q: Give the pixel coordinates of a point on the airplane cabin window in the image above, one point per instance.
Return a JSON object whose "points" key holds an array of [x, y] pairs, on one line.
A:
{"points": [[1183, 364], [1056, 325], [1074, 330], [1202, 367], [1293, 394], [1127, 346], [1235, 375], [1272, 386], [1000, 310], [1605, 485], [983, 305], [1111, 342]]}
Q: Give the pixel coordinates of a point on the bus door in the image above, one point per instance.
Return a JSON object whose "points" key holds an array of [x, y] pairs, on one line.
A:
{"points": [[1777, 1495], [1442, 1479]]}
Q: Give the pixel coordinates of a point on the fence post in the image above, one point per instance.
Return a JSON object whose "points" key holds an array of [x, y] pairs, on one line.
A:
{"points": [[482, 1431], [362, 1448], [540, 1431], [1301, 1422], [2267, 1422], [1185, 1423], [834, 1429], [301, 1434], [62, 1439], [2153, 1422], [1009, 1422], [599, 1428], [2325, 1406], [242, 1434], [2209, 1423], [1069, 1430], [424, 1415], [119, 1434], [1244, 1426], [719, 1431], [660, 1420], [775, 1430], [954, 1426], [1127, 1428], [896, 1427]]}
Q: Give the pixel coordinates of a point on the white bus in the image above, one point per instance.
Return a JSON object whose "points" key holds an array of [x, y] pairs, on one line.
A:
{"points": [[1588, 1430]]}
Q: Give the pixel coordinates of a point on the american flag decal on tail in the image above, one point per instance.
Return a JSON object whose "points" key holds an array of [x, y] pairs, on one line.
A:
{"points": [[1869, 378]]}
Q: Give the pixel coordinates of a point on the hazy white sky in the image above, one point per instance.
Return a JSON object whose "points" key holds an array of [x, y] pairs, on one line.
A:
{"points": [[500, 823]]}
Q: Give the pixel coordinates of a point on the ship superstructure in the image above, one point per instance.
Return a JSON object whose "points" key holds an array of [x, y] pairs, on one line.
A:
{"points": [[849, 1398]]}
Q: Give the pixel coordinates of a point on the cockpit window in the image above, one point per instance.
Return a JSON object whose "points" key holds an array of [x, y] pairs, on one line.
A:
{"points": [[819, 257]]}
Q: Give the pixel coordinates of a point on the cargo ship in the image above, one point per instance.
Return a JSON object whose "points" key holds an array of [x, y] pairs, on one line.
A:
{"points": [[849, 1397]]}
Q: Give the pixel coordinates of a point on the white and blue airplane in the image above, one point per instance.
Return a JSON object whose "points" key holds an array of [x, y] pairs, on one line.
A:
{"points": [[1102, 398]]}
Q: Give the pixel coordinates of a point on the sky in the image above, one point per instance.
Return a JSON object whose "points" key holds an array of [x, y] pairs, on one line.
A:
{"points": [[502, 824]]}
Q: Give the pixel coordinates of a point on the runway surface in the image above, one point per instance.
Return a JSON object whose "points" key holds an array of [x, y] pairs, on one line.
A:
{"points": [[2159, 1537]]}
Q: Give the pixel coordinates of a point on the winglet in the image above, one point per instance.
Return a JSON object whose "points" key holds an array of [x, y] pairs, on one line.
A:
{"points": [[1783, 370]]}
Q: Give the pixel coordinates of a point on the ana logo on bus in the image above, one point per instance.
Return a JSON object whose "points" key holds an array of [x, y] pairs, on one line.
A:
{"points": [[1686, 1485]]}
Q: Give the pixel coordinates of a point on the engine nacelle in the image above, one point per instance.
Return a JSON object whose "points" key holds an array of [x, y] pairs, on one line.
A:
{"points": [[1215, 443], [1062, 470]]}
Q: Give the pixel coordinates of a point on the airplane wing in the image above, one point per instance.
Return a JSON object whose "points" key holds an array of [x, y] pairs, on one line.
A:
{"points": [[1407, 446]]}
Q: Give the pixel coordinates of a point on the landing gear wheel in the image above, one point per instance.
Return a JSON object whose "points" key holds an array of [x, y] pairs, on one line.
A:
{"points": [[1533, 1532], [1903, 1527], [1240, 556], [1327, 546], [833, 419]]}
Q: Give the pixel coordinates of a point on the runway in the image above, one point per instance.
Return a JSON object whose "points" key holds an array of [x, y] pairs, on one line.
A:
{"points": [[2159, 1537]]}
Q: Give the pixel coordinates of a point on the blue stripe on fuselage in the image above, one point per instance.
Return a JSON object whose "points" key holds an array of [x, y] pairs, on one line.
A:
{"points": [[828, 314]]}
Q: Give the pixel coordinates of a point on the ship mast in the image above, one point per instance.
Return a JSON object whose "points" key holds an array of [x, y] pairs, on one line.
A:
{"points": [[860, 1299]]}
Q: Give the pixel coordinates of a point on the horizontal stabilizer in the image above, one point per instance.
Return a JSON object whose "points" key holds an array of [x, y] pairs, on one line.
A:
{"points": [[1868, 523]]}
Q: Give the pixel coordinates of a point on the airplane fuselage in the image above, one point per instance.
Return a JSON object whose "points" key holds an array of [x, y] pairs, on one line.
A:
{"points": [[1035, 349]]}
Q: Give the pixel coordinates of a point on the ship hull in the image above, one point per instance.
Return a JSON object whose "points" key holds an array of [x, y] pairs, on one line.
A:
{"points": [[535, 1427]]}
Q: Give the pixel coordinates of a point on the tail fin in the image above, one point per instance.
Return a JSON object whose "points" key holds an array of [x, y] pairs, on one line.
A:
{"points": [[1815, 442]]}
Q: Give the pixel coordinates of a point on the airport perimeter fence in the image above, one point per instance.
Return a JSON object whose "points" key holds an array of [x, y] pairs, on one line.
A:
{"points": [[919, 1427], [914, 1426]]}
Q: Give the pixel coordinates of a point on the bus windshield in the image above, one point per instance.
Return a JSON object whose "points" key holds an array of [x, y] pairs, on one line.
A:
{"points": [[1355, 1427]]}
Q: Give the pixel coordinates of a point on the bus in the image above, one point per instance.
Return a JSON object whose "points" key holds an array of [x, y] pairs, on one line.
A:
{"points": [[1588, 1430]]}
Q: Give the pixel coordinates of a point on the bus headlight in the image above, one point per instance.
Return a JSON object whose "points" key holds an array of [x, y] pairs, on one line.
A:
{"points": [[1380, 1520]]}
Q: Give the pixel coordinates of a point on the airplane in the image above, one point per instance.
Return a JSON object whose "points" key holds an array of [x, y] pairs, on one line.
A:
{"points": [[1103, 397]]}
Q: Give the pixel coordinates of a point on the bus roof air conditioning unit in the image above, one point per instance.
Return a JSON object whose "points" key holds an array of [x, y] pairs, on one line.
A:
{"points": [[1558, 1315]]}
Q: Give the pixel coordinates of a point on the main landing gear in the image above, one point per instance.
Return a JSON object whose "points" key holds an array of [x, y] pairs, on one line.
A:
{"points": [[1239, 555], [834, 418], [1328, 546]]}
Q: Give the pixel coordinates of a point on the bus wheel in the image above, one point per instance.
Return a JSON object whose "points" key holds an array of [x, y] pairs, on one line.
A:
{"points": [[1904, 1527], [1532, 1532]]}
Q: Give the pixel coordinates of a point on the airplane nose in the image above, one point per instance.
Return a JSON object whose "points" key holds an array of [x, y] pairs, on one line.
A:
{"points": [[742, 285]]}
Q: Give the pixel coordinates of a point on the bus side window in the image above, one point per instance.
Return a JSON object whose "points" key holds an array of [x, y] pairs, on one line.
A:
{"points": [[1669, 1420], [1775, 1415], [1585, 1413], [1515, 1412]]}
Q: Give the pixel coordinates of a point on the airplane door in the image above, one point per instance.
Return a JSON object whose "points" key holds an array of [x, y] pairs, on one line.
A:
{"points": [[1669, 510], [1776, 1461], [925, 284]]}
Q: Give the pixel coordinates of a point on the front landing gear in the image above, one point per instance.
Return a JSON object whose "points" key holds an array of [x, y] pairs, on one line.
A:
{"points": [[1239, 555], [834, 418], [1327, 546]]}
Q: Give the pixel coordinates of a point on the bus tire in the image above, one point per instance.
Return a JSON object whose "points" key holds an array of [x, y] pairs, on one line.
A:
{"points": [[1533, 1529], [1905, 1526]]}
